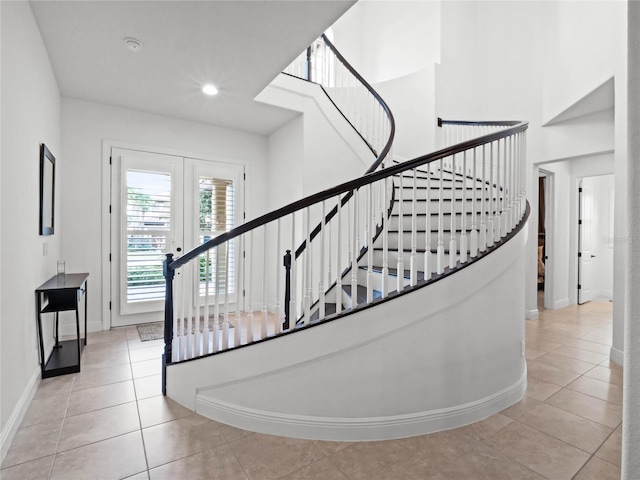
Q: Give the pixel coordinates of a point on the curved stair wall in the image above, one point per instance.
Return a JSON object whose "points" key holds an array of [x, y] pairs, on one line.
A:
{"points": [[436, 358]]}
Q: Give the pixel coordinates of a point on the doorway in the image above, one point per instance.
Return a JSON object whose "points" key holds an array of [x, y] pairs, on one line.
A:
{"points": [[545, 239], [163, 204]]}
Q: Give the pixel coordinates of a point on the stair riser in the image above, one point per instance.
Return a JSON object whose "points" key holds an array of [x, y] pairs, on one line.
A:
{"points": [[393, 260], [421, 221], [434, 193], [434, 207], [420, 239]]}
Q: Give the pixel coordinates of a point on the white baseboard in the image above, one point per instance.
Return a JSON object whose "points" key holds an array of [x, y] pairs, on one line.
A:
{"points": [[360, 429], [562, 303], [531, 314], [10, 429], [616, 356], [69, 329]]}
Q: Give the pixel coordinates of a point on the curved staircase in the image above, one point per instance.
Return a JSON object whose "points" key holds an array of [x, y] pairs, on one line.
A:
{"points": [[395, 358]]}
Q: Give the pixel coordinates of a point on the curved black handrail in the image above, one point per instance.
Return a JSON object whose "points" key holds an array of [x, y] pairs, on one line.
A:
{"points": [[347, 187]]}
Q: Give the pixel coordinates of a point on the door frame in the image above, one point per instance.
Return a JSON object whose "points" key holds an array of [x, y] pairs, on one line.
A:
{"points": [[105, 243]]}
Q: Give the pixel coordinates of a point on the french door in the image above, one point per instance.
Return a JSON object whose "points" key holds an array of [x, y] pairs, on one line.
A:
{"points": [[164, 204]]}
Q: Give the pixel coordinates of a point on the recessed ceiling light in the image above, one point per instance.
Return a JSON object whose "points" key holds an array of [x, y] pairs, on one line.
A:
{"points": [[210, 89], [133, 44]]}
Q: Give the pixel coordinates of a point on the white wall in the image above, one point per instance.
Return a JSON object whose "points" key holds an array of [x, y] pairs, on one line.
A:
{"points": [[30, 113], [87, 125]]}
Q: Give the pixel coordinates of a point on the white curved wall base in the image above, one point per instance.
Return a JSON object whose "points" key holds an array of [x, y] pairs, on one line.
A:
{"points": [[439, 357], [360, 429]]}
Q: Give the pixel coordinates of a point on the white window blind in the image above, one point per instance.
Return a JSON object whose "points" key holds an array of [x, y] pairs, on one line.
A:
{"points": [[148, 226], [216, 216]]}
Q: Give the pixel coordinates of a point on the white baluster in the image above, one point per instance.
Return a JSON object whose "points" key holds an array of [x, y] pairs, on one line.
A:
{"points": [[473, 238], [293, 315], [463, 222], [216, 303], [440, 248], [492, 200], [197, 350], [207, 333], [339, 258], [321, 288], [277, 312], [497, 228], [400, 265], [175, 342], [250, 317], [369, 238], [505, 190], [428, 257], [452, 239], [306, 276], [240, 288], [264, 330], [385, 238], [413, 267], [482, 232], [225, 329], [355, 252]]}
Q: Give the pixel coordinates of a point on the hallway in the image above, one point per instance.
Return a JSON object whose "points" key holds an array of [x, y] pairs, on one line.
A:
{"points": [[110, 421]]}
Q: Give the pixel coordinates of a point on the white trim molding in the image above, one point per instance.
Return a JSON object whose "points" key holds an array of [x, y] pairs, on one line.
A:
{"points": [[531, 314], [616, 356], [360, 429], [12, 425]]}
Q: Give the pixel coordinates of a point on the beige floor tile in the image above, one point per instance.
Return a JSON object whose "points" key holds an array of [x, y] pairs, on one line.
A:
{"points": [[34, 442], [565, 363], [487, 427], [113, 335], [147, 387], [606, 374], [539, 389], [550, 374], [105, 348], [532, 353], [160, 409], [139, 476], [329, 448], [45, 409], [565, 426], [587, 406], [542, 453], [597, 388], [146, 368], [55, 386], [34, 470], [213, 464], [517, 410], [114, 458], [597, 469], [598, 337], [485, 463], [611, 450], [99, 425], [96, 398], [102, 376], [591, 346], [267, 457], [146, 353], [180, 438], [135, 343], [98, 360], [321, 470], [580, 354]]}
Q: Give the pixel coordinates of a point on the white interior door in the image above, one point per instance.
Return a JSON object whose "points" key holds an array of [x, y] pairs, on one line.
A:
{"points": [[585, 244], [165, 204], [146, 223]]}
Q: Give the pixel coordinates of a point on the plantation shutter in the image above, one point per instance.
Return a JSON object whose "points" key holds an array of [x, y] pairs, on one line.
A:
{"points": [[217, 216]]}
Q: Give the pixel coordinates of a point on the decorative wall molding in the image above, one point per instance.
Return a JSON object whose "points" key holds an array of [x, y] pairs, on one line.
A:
{"points": [[361, 429]]}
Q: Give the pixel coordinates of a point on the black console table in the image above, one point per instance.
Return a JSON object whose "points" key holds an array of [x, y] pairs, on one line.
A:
{"points": [[62, 293]]}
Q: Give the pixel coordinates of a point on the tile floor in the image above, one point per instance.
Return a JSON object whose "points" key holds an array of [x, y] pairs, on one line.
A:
{"points": [[110, 421]]}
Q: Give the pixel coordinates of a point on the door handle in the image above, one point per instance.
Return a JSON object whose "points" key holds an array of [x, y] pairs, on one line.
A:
{"points": [[593, 256], [178, 249]]}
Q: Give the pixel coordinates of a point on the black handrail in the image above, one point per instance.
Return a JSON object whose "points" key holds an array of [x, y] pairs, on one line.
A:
{"points": [[347, 187]]}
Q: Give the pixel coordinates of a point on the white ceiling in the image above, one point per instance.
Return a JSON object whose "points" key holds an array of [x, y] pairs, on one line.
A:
{"points": [[599, 99], [238, 45]]}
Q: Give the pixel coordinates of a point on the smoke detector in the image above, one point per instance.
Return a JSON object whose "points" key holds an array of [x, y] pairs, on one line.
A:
{"points": [[133, 44]]}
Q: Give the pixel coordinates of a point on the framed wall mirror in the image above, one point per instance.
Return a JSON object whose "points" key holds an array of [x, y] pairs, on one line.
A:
{"points": [[47, 190]]}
